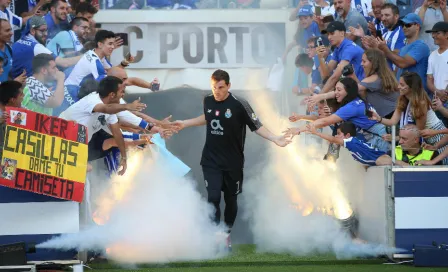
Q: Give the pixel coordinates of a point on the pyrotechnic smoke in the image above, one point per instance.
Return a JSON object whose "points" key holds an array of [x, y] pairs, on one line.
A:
{"points": [[293, 198], [149, 215]]}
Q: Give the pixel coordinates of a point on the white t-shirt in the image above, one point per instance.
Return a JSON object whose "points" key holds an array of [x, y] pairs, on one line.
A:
{"points": [[127, 117], [365, 7], [82, 112], [438, 68], [89, 65]]}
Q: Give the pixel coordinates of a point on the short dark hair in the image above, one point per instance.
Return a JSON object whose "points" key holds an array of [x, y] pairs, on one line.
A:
{"points": [[109, 85], [302, 60], [103, 35], [393, 7], [9, 89], [219, 75], [312, 40], [77, 21], [89, 45], [87, 87], [348, 127], [85, 7], [40, 61], [2, 60], [55, 3]]}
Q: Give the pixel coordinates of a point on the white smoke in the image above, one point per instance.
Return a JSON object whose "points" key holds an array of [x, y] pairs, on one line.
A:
{"points": [[159, 217], [292, 199]]}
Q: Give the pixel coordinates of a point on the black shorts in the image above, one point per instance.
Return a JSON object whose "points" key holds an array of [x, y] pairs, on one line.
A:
{"points": [[96, 145], [226, 181]]}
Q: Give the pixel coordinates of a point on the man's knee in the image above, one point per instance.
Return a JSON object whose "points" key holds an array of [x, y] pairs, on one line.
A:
{"points": [[214, 196]]}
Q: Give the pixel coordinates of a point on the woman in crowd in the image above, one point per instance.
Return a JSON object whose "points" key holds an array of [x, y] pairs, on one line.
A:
{"points": [[414, 107], [378, 88], [352, 108]]}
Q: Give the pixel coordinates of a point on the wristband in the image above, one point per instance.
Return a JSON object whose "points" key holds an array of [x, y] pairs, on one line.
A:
{"points": [[381, 120], [124, 65]]}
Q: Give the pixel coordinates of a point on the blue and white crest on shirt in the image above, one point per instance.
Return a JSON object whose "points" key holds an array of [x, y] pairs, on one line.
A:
{"points": [[228, 113]]}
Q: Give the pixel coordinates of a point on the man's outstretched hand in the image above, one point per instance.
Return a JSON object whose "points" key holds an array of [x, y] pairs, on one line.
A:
{"points": [[282, 141]]}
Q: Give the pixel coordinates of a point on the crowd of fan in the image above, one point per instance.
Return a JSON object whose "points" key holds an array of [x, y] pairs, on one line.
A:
{"points": [[57, 63], [372, 69]]}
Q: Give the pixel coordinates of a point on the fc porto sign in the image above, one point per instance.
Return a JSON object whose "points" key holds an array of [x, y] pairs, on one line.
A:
{"points": [[202, 45]]}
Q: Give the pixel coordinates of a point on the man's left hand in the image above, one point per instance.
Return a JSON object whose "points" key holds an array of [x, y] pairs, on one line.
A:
{"points": [[281, 141]]}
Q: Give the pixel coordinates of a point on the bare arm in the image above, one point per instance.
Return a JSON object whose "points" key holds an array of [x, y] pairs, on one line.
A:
{"points": [[326, 121], [329, 138], [67, 62], [195, 122], [390, 122], [335, 76], [116, 108], [58, 96], [430, 83], [266, 133], [135, 81], [401, 62]]}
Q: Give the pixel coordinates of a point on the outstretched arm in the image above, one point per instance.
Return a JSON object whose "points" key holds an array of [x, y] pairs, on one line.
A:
{"points": [[268, 135], [195, 122]]}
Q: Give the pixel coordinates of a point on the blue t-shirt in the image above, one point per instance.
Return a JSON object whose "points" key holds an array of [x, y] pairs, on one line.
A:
{"points": [[7, 62], [315, 74], [53, 28], [349, 51], [355, 112], [362, 152], [304, 34], [419, 51]]}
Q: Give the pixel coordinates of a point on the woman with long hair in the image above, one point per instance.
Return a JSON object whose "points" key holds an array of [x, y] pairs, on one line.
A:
{"points": [[352, 108], [378, 88], [414, 107]]}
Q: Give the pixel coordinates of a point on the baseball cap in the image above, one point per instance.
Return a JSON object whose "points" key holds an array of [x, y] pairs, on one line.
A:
{"points": [[412, 18], [306, 10], [37, 21], [333, 26], [440, 26]]}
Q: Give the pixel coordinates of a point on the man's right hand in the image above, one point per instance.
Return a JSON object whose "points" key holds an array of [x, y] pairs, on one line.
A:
{"points": [[427, 3], [372, 28], [21, 78], [60, 76], [179, 124], [136, 106]]}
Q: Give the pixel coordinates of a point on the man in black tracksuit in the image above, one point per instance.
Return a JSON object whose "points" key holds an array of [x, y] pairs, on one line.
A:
{"points": [[226, 117]]}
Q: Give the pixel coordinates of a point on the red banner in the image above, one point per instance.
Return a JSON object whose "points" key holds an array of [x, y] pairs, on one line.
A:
{"points": [[44, 154]]}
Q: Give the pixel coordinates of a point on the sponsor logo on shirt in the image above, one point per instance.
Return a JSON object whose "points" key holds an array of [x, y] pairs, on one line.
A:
{"points": [[208, 111], [254, 117], [217, 128], [217, 113]]}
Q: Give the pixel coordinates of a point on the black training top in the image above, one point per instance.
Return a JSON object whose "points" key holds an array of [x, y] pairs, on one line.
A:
{"points": [[226, 131]]}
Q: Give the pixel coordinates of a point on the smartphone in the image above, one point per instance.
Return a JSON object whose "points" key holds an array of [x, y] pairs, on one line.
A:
{"points": [[124, 37], [318, 10], [369, 113], [128, 56]]}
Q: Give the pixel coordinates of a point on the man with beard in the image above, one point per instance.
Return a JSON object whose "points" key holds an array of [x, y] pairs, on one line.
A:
{"points": [[15, 21], [57, 18], [376, 27], [31, 44], [70, 43], [38, 97], [431, 12], [413, 57], [350, 17], [394, 37]]}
